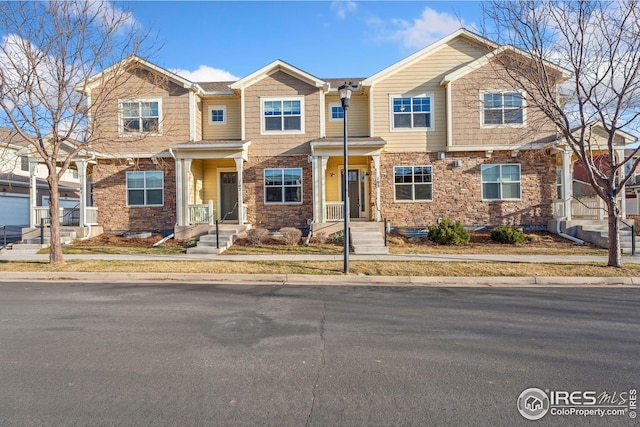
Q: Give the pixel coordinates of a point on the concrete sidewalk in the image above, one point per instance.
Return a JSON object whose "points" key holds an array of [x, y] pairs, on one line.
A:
{"points": [[319, 280]]}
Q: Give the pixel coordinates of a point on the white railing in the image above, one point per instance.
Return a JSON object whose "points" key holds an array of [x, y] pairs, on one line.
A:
{"points": [[202, 214], [333, 211], [582, 208], [245, 208], [68, 216]]}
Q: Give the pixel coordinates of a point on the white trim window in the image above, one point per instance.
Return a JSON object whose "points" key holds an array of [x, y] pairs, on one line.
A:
{"points": [[502, 108], [217, 114], [412, 183], [282, 115], [411, 112], [501, 182], [145, 188], [140, 116], [283, 185], [336, 113]]}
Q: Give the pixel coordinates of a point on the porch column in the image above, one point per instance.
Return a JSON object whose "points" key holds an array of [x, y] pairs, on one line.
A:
{"points": [[239, 165], [82, 175], [179, 216], [320, 188], [623, 192], [567, 182], [33, 193], [376, 164], [184, 201]]}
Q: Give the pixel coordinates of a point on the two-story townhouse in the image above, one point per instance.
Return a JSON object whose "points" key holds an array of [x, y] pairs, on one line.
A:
{"points": [[439, 134]]}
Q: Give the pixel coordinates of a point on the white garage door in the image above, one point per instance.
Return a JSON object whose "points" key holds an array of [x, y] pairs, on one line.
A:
{"points": [[14, 209]]}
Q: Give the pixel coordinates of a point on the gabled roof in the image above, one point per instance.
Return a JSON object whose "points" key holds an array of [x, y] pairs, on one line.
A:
{"points": [[278, 65], [628, 138], [423, 53], [95, 79], [484, 60]]}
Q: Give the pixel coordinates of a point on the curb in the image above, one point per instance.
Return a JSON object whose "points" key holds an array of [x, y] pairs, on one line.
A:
{"points": [[319, 280]]}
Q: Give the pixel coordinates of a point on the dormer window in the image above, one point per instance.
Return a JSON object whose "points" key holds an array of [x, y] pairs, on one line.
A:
{"points": [[282, 115], [140, 116]]}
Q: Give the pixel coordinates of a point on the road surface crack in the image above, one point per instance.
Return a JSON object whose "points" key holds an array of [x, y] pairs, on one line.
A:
{"points": [[323, 343]]}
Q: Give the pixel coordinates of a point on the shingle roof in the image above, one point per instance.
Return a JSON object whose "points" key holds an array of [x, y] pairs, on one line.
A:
{"points": [[215, 86], [337, 82]]}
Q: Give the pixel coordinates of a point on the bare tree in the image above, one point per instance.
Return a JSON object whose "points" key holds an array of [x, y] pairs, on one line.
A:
{"points": [[48, 53], [598, 43]]}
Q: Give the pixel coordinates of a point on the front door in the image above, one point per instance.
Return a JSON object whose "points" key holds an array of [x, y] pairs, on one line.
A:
{"points": [[228, 196], [354, 193]]}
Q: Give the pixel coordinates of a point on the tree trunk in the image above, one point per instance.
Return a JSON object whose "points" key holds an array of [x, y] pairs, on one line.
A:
{"points": [[615, 256], [55, 248]]}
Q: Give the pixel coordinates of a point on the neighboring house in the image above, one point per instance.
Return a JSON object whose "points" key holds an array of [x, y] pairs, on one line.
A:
{"points": [[17, 169], [437, 135]]}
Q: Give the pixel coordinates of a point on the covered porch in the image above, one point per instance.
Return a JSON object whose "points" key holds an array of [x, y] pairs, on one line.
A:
{"points": [[363, 177], [209, 185]]}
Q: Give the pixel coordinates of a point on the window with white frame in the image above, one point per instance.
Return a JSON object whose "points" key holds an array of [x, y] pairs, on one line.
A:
{"points": [[337, 113], [501, 181], [140, 116], [502, 108], [283, 185], [145, 188], [217, 114], [411, 112], [413, 183], [282, 115]]}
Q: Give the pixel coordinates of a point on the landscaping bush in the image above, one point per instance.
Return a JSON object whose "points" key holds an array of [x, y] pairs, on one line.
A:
{"points": [[448, 233], [321, 237], [506, 234], [414, 240], [291, 236], [257, 236], [395, 241], [337, 238]]}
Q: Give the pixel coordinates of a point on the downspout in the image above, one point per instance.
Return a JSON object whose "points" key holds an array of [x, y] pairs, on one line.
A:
{"points": [[175, 160], [84, 219], [567, 236]]}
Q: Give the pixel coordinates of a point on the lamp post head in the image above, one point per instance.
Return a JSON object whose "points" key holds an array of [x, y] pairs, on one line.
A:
{"points": [[345, 94]]}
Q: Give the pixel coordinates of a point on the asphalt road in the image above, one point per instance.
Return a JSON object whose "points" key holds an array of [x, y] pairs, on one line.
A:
{"points": [[206, 355]]}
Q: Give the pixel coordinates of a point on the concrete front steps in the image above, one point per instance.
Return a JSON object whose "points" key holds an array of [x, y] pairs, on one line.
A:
{"points": [[31, 238], [228, 233], [367, 238], [596, 232]]}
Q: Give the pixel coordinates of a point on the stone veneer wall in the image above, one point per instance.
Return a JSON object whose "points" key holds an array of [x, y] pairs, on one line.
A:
{"points": [[276, 216], [110, 196], [457, 191]]}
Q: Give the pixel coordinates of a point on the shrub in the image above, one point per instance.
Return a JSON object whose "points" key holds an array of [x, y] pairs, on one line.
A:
{"points": [[448, 233], [414, 240], [395, 241], [321, 237], [506, 234], [290, 235], [337, 238], [257, 236]]}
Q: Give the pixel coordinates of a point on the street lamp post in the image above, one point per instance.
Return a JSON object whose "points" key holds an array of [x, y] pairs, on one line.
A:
{"points": [[345, 94]]}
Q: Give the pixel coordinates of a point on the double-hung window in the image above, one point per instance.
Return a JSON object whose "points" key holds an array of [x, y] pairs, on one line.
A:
{"points": [[283, 185], [217, 114], [140, 116], [412, 112], [413, 183], [502, 108], [282, 115], [501, 182], [145, 188]]}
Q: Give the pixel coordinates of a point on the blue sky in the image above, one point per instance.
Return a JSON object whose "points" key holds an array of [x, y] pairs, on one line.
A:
{"points": [[223, 40]]}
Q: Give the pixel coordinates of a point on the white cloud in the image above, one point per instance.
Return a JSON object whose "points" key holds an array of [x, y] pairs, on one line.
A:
{"points": [[342, 7], [428, 28], [205, 73]]}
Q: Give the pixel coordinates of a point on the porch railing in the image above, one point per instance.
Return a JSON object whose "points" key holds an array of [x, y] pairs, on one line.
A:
{"points": [[334, 211], [202, 214], [68, 216], [583, 208]]}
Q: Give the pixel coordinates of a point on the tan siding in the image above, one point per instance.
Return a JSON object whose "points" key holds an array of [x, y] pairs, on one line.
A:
{"points": [[422, 77], [196, 177], [358, 119], [281, 84], [199, 113], [232, 128], [210, 182], [174, 120], [466, 112]]}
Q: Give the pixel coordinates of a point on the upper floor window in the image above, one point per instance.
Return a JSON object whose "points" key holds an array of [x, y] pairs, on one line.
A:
{"points": [[500, 182], [145, 188], [283, 185], [283, 115], [413, 182], [140, 116], [411, 112], [502, 108], [217, 114], [337, 113]]}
